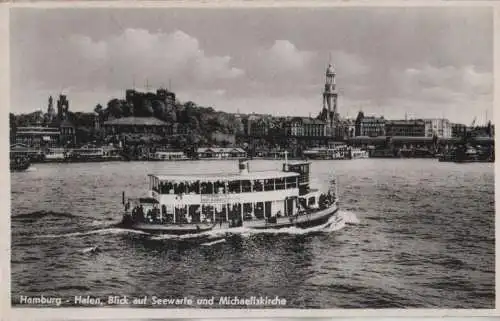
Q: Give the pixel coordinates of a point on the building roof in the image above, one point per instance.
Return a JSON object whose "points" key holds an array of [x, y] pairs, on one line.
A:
{"points": [[220, 150], [226, 177], [373, 118], [307, 120], [405, 122], [137, 121]]}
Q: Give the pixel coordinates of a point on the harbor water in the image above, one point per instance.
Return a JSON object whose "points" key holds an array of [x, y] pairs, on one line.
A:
{"points": [[418, 233]]}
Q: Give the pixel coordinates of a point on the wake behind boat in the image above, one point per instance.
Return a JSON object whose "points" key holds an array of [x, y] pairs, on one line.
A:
{"points": [[201, 205]]}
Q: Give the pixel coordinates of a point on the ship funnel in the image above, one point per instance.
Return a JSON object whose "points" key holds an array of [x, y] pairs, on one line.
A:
{"points": [[243, 166]]}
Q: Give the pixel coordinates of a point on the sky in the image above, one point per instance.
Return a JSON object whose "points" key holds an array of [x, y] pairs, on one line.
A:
{"points": [[422, 62]]}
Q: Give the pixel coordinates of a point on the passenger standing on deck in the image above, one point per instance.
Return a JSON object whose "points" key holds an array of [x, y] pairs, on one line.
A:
{"points": [[141, 213]]}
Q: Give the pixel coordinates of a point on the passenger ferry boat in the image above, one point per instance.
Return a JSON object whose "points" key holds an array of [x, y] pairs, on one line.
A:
{"points": [[199, 204]]}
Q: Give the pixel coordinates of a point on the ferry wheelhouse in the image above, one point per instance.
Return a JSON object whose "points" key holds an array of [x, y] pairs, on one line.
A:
{"points": [[193, 204]]}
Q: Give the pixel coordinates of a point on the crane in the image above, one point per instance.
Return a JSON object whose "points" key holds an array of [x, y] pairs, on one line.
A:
{"points": [[473, 122]]}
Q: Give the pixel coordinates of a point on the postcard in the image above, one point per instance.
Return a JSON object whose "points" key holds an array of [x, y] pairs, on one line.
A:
{"points": [[250, 159]]}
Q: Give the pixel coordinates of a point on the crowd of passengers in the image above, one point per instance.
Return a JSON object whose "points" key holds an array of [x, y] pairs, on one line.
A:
{"points": [[220, 187], [211, 214], [139, 214]]}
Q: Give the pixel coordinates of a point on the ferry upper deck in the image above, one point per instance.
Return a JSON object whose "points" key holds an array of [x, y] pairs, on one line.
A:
{"points": [[225, 183]]}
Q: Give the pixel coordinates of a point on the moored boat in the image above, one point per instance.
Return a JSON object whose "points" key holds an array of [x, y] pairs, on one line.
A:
{"points": [[168, 156], [225, 204], [358, 153], [19, 163]]}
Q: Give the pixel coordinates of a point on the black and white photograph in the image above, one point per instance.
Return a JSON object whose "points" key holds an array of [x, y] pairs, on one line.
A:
{"points": [[252, 157]]}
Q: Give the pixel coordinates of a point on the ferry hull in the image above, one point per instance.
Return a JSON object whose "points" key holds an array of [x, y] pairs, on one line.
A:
{"points": [[304, 221], [168, 229]]}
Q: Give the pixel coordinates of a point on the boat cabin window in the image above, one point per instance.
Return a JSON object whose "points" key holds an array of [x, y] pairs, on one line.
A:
{"points": [[280, 183], [258, 186], [193, 187], [302, 168], [221, 187], [291, 182], [259, 210], [179, 188], [207, 188], [234, 187], [269, 184], [246, 186], [166, 187]]}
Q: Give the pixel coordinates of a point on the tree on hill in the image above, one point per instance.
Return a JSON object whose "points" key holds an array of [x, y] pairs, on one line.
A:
{"points": [[98, 109], [146, 108], [115, 108], [159, 109]]}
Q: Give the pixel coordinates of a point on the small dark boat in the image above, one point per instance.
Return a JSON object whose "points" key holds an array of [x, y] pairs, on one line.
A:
{"points": [[19, 163]]}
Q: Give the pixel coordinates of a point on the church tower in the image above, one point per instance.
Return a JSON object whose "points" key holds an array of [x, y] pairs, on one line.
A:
{"points": [[330, 100], [51, 113]]}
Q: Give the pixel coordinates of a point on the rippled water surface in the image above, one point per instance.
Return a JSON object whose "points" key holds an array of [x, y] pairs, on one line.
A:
{"points": [[421, 235]]}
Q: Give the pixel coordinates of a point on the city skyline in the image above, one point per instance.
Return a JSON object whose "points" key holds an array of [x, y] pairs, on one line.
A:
{"points": [[424, 68]]}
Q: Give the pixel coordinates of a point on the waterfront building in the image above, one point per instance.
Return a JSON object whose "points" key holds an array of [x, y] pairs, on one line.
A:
{"points": [[221, 153], [177, 129], [142, 125], [458, 130], [409, 128], [259, 127], [240, 128], [38, 137], [68, 132], [250, 120], [370, 126], [345, 129], [439, 127], [306, 127]]}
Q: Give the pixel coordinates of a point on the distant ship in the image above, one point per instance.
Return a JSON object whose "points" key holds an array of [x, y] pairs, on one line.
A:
{"points": [[467, 154], [260, 200]]}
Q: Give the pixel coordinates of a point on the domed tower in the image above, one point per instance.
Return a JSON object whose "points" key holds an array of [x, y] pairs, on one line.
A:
{"points": [[330, 99]]}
